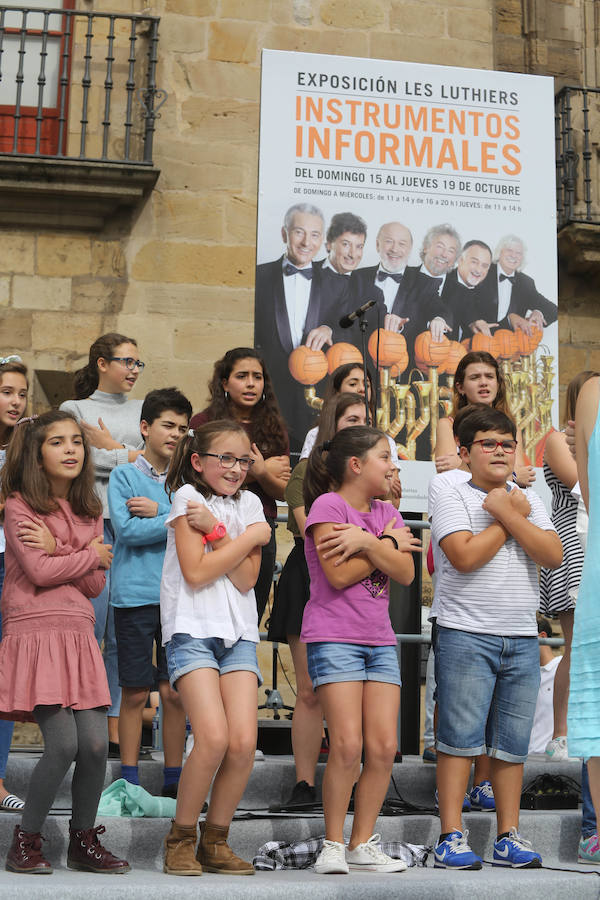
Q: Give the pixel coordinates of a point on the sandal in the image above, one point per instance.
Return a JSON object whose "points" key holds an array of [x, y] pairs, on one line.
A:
{"points": [[11, 803]]}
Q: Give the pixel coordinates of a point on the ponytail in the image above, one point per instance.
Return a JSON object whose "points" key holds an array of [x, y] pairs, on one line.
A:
{"points": [[86, 379], [326, 467]]}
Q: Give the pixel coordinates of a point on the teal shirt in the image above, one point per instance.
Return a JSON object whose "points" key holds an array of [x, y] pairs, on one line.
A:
{"points": [[140, 543]]}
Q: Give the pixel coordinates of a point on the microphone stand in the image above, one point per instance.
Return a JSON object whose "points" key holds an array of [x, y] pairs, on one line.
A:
{"points": [[363, 325]]}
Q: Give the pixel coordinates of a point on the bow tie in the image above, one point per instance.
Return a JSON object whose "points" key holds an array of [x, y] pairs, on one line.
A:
{"points": [[381, 276], [510, 278], [289, 269]]}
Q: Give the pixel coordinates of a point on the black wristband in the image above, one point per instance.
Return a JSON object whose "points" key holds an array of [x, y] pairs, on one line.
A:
{"points": [[388, 537]]}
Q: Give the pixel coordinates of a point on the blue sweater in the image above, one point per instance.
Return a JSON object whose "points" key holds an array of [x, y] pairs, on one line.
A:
{"points": [[140, 543]]}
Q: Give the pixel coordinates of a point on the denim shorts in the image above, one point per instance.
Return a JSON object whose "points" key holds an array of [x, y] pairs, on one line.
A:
{"points": [[330, 662], [487, 687], [186, 653]]}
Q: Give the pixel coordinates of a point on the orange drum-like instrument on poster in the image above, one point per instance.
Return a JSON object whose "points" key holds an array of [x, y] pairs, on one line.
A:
{"points": [[392, 349], [504, 344], [455, 354], [482, 343], [430, 353], [307, 366], [342, 353]]}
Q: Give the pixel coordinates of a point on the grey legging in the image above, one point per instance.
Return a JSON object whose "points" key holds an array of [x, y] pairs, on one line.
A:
{"points": [[79, 735]]}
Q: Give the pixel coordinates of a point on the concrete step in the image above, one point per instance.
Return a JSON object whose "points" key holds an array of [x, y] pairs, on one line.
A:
{"points": [[140, 841], [273, 778], [555, 834]]}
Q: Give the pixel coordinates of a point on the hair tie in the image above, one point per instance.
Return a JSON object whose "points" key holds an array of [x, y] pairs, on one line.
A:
{"points": [[26, 421], [325, 446], [8, 359]]}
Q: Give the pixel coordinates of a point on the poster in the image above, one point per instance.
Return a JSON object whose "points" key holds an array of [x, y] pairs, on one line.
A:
{"points": [[436, 186]]}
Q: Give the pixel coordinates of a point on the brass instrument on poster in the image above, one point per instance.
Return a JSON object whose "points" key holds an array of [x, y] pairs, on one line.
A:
{"points": [[407, 410]]}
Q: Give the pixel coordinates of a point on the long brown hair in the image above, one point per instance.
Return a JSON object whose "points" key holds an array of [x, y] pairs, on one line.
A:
{"points": [[266, 423], [23, 471], [326, 467], [21, 369], [86, 379], [479, 356], [339, 375], [181, 470], [573, 388], [332, 412]]}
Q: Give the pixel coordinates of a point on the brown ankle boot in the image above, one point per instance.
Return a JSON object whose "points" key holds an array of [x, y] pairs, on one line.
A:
{"points": [[180, 846], [25, 854], [216, 855], [87, 854]]}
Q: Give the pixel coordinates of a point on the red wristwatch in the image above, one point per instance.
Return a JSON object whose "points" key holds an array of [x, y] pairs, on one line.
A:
{"points": [[219, 531]]}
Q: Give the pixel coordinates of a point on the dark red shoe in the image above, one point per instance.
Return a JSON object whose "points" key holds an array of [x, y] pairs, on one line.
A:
{"points": [[87, 854], [25, 854]]}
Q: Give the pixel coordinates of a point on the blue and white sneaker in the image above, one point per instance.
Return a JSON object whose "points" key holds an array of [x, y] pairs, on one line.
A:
{"points": [[455, 853], [482, 797], [515, 852], [466, 802]]}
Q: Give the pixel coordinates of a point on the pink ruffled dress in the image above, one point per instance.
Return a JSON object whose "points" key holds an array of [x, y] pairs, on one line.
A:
{"points": [[48, 654]]}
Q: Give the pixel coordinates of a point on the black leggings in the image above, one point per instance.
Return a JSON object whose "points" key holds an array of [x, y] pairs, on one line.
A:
{"points": [[79, 735], [265, 574]]}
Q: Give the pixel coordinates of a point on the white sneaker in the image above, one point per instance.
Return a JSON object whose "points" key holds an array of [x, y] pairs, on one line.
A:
{"points": [[370, 858], [557, 749], [332, 859]]}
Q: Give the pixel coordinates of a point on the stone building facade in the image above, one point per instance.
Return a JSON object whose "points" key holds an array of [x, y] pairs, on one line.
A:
{"points": [[177, 272]]}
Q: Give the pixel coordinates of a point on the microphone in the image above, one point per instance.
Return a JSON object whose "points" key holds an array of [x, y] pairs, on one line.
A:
{"points": [[346, 321]]}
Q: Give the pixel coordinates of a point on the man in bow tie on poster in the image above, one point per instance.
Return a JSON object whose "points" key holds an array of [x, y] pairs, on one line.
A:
{"points": [[405, 302], [508, 298], [291, 308], [460, 290], [345, 242]]}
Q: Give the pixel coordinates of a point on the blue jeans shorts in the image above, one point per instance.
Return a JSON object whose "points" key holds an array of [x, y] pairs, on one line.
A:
{"points": [[186, 653], [486, 692], [330, 662]]}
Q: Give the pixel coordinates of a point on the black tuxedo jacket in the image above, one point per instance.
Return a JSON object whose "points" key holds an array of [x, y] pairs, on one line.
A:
{"points": [[524, 297], [416, 300], [458, 307], [273, 336]]}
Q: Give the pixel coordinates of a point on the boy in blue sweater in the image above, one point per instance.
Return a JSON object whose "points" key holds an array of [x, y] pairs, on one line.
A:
{"points": [[139, 506]]}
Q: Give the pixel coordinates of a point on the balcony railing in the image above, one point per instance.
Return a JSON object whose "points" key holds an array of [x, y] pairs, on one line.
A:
{"points": [[78, 85], [577, 119]]}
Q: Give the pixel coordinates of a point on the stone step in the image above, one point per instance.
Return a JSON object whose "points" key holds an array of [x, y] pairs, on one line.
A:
{"points": [[273, 778], [140, 841]]}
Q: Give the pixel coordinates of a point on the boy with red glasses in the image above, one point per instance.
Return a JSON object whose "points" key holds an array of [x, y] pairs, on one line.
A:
{"points": [[492, 535]]}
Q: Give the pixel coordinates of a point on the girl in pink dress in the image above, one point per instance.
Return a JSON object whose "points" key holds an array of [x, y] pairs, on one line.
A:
{"points": [[51, 669]]}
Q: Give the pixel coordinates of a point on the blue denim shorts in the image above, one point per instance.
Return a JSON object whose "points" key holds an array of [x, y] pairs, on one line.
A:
{"points": [[186, 653], [330, 662], [486, 692]]}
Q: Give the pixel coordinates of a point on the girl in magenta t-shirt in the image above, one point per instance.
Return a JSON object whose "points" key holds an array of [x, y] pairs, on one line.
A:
{"points": [[353, 546]]}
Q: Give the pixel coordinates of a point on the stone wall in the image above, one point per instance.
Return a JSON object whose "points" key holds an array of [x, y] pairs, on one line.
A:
{"points": [[180, 277]]}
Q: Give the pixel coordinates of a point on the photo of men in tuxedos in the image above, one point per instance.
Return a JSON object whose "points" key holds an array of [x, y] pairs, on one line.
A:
{"points": [[291, 308], [405, 302], [508, 298], [461, 288]]}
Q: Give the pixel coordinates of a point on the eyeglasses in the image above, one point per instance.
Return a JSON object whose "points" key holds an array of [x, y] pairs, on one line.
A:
{"points": [[228, 461], [489, 446], [129, 362]]}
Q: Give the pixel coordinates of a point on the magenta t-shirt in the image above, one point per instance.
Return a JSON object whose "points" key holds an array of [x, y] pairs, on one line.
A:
{"points": [[357, 614]]}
